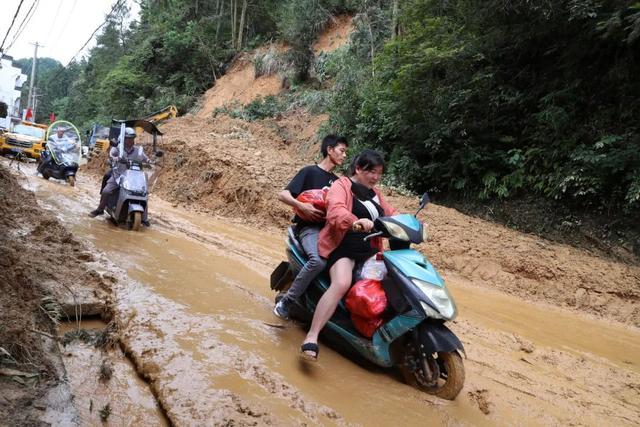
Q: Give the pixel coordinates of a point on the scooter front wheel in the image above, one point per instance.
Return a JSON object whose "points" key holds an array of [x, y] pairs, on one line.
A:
{"points": [[442, 376], [136, 220]]}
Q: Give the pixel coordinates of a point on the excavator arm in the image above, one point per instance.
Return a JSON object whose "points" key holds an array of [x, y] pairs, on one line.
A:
{"points": [[169, 112]]}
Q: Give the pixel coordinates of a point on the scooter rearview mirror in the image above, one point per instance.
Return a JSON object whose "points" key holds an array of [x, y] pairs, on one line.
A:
{"points": [[424, 201]]}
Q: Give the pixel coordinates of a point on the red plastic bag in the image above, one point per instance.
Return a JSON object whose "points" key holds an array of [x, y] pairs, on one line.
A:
{"points": [[317, 197], [366, 298], [366, 327]]}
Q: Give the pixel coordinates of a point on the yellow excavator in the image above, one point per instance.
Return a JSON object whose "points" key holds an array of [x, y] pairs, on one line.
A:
{"points": [[170, 112], [99, 136]]}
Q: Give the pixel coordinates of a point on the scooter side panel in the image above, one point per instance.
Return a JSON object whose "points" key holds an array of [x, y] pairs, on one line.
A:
{"points": [[397, 327], [367, 349], [413, 265]]}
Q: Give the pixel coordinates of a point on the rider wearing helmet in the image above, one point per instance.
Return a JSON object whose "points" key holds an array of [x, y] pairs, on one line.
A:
{"points": [[130, 152]]}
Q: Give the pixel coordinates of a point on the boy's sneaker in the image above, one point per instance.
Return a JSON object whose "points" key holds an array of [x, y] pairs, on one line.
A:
{"points": [[281, 310]]}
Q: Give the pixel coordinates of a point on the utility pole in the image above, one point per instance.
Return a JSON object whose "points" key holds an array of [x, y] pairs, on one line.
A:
{"points": [[33, 74], [35, 101]]}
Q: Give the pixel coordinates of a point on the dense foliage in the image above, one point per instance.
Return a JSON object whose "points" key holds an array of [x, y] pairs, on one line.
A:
{"points": [[503, 98], [491, 99]]}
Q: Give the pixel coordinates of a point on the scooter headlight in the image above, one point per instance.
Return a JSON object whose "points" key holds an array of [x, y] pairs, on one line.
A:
{"points": [[439, 297], [396, 231]]}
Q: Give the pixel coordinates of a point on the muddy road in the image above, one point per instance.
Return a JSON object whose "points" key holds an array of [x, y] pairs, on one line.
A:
{"points": [[194, 306]]}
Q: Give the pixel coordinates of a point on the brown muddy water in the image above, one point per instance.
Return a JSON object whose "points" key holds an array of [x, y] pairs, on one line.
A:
{"points": [[105, 383], [197, 311]]}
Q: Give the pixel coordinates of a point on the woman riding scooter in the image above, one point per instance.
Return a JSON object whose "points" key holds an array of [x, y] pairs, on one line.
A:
{"points": [[353, 203]]}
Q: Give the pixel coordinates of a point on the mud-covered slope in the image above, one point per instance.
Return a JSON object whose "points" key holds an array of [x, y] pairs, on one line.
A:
{"points": [[231, 167], [529, 267]]}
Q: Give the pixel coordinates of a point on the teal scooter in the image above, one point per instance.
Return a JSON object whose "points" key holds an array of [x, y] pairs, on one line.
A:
{"points": [[414, 337]]}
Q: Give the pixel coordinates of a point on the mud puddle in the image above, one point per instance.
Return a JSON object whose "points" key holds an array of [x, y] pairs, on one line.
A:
{"points": [[548, 326], [198, 324], [105, 384]]}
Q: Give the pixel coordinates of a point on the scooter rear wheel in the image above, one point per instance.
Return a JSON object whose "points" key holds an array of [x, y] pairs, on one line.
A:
{"points": [[136, 220], [71, 180], [451, 373]]}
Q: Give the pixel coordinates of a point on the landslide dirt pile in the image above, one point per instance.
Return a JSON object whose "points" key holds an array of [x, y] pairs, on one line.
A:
{"points": [[528, 266], [234, 168], [240, 86], [37, 253], [335, 34]]}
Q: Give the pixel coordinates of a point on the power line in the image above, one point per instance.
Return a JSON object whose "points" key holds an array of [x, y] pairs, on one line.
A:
{"points": [[64, 26], [11, 26], [55, 18], [115, 6], [24, 24]]}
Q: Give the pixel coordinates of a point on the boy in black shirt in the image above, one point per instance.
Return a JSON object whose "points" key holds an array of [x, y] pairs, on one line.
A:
{"points": [[334, 150]]}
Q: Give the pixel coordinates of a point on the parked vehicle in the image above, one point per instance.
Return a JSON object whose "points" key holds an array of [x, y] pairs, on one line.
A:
{"points": [[25, 139], [413, 337], [98, 139]]}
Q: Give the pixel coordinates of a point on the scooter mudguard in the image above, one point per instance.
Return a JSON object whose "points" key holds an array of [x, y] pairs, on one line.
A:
{"points": [[135, 207], [281, 276], [437, 337]]}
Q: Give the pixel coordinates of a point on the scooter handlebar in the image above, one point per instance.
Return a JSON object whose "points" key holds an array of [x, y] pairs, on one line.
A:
{"points": [[372, 235], [130, 162], [359, 227]]}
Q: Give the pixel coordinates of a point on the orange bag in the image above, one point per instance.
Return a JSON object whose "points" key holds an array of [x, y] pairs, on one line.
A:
{"points": [[366, 327], [366, 298], [317, 197]]}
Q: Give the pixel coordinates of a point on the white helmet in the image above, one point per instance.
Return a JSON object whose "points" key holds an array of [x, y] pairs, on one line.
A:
{"points": [[129, 133]]}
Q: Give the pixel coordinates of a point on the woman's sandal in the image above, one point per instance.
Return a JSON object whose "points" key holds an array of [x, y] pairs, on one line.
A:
{"points": [[312, 347]]}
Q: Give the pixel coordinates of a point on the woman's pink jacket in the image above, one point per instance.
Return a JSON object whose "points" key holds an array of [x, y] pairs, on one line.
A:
{"points": [[339, 215]]}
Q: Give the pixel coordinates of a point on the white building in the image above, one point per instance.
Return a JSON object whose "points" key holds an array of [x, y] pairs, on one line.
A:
{"points": [[11, 80]]}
